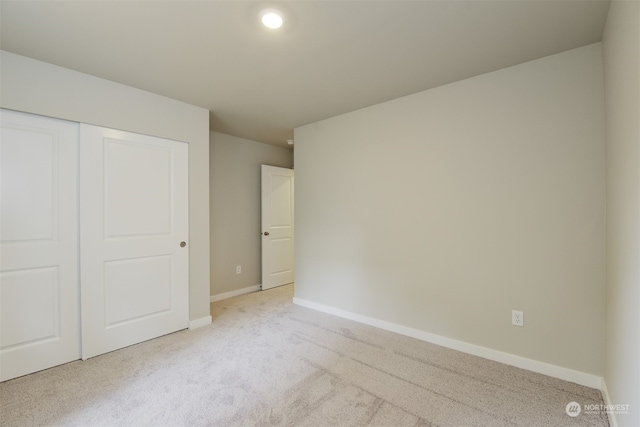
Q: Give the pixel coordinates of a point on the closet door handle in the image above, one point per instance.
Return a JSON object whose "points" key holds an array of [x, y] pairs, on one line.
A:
{"points": [[183, 244]]}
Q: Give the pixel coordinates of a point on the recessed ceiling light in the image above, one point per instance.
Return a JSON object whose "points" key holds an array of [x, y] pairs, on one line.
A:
{"points": [[271, 18]]}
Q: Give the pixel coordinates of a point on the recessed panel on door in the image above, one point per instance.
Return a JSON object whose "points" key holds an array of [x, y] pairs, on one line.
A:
{"points": [[281, 253], [39, 293], [137, 288], [29, 185], [140, 206], [29, 301], [134, 217], [281, 209]]}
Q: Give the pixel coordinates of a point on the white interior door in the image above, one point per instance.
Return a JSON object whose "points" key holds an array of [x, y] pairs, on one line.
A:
{"points": [[39, 295], [277, 226], [134, 234]]}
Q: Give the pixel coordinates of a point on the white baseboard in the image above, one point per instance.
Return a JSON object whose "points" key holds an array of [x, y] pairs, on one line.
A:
{"points": [[231, 294], [566, 374], [613, 422], [198, 323]]}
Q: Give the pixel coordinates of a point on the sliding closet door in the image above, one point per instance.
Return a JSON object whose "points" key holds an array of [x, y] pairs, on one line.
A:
{"points": [[39, 296], [134, 238]]}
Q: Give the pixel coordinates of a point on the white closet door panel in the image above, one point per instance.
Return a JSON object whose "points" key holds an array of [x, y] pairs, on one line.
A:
{"points": [[134, 216], [39, 293]]}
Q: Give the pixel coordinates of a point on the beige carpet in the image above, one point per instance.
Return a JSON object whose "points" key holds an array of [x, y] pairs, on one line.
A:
{"points": [[266, 362]]}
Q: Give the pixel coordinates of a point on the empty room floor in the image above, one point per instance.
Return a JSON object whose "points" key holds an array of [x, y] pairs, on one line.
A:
{"points": [[266, 362]]}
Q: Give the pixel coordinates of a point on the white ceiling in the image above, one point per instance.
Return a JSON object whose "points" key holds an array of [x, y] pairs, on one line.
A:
{"points": [[330, 57]]}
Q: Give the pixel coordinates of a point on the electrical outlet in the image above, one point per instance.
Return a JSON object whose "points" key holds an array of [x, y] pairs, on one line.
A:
{"points": [[517, 318], [238, 269]]}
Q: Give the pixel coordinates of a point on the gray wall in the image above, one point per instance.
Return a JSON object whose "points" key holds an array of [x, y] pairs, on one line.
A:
{"points": [[40, 88], [621, 49], [444, 210], [235, 208]]}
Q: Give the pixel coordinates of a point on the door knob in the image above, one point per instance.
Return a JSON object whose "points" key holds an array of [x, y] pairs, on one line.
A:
{"points": [[266, 233], [183, 244]]}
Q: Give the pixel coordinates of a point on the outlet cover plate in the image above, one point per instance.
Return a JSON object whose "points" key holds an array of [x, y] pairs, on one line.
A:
{"points": [[517, 318]]}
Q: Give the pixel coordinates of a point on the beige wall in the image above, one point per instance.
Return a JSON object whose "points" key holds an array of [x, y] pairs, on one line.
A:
{"points": [[444, 210], [235, 208], [621, 51], [40, 88]]}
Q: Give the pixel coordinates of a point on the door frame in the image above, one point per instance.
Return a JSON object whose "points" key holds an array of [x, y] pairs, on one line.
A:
{"points": [[277, 237]]}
